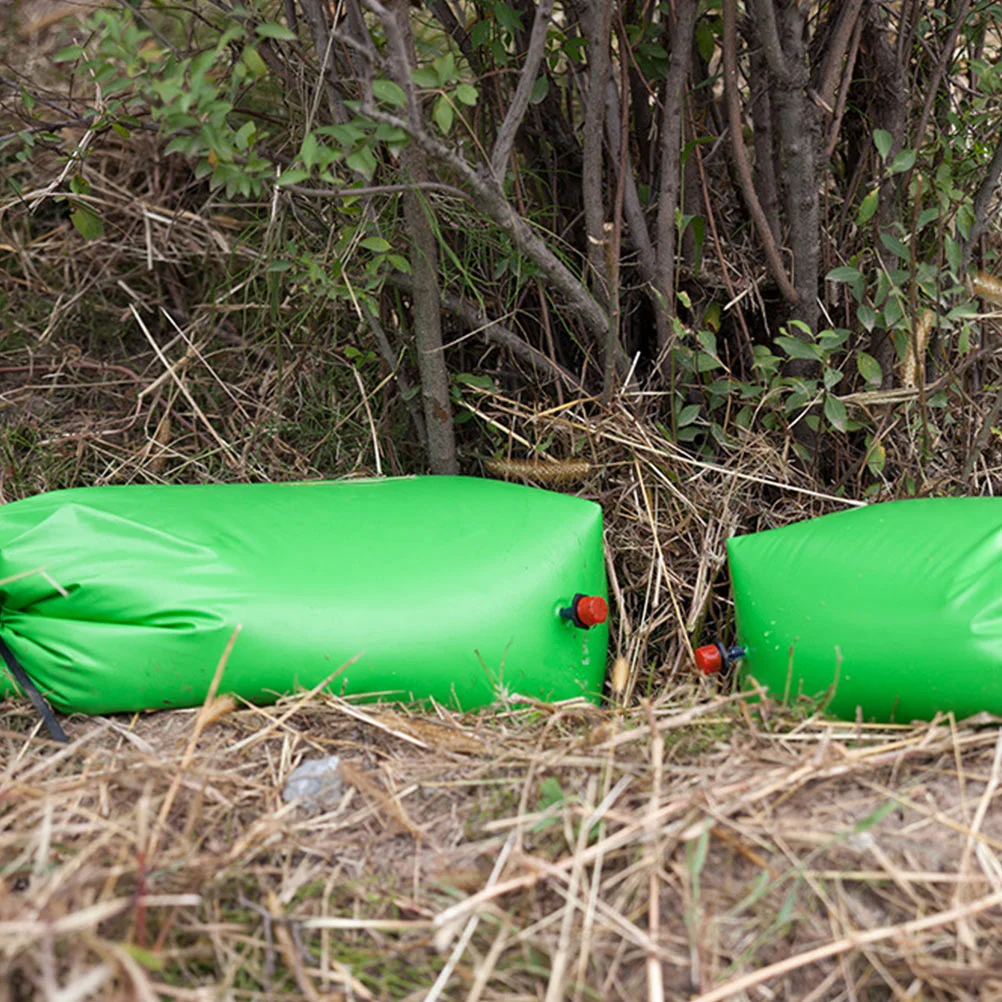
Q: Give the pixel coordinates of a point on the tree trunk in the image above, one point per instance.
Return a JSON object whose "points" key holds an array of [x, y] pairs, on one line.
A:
{"points": [[427, 308], [671, 168], [798, 128]]}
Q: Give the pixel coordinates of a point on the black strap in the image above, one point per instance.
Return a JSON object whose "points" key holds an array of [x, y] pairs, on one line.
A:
{"points": [[21, 677]]}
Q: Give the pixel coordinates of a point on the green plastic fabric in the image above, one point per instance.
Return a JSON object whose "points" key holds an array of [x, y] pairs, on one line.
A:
{"points": [[124, 598], [898, 606]]}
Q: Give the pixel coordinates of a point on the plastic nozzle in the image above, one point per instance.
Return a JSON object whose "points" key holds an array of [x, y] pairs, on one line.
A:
{"points": [[708, 659], [586, 611], [592, 610], [713, 658]]}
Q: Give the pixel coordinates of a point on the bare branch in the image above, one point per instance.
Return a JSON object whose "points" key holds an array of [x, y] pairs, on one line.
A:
{"points": [[982, 202], [494, 332], [527, 79], [393, 364], [598, 25], [845, 29], [768, 34], [398, 58], [492, 201], [316, 18], [766, 183], [671, 165], [930, 99], [639, 234], [424, 256], [843, 94], [730, 45], [797, 118], [376, 189]]}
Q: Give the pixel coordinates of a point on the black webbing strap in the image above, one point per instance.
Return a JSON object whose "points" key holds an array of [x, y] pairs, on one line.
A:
{"points": [[42, 708]]}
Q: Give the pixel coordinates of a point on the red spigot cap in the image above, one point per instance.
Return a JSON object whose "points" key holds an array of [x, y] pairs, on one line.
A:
{"points": [[708, 659], [592, 610]]}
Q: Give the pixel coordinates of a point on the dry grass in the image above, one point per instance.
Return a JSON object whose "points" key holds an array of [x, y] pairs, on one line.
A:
{"points": [[508, 855]]}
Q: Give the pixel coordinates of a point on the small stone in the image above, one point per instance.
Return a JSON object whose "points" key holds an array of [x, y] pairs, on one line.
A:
{"points": [[316, 784]]}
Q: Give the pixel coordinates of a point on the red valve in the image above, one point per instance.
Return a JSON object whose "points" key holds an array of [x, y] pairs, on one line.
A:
{"points": [[713, 658], [586, 611], [592, 610], [708, 659]]}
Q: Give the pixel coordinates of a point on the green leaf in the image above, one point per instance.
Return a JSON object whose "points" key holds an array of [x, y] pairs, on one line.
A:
{"points": [[386, 133], [87, 223], [445, 67], [954, 253], [876, 460], [866, 316], [443, 114], [852, 277], [147, 958], [550, 793], [244, 135], [376, 244], [796, 348], [253, 61], [364, 161], [786, 911], [832, 340], [699, 235], [687, 415], [68, 54], [472, 379], [467, 94], [292, 176], [279, 32], [706, 40], [869, 368], [309, 150], [894, 245], [182, 144], [876, 817], [868, 207], [832, 377], [480, 33], [763, 358], [539, 90], [905, 160], [835, 412], [965, 220], [695, 853], [79, 185], [927, 216], [425, 77], [883, 140], [388, 91], [963, 310]]}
